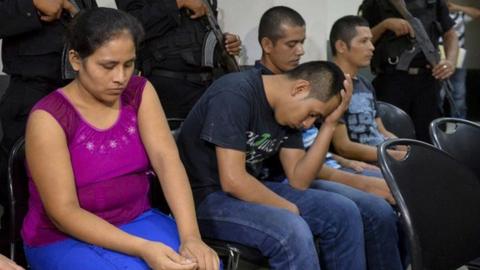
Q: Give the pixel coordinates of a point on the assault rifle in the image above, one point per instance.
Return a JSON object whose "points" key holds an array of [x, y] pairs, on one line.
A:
{"points": [[421, 43], [214, 38]]}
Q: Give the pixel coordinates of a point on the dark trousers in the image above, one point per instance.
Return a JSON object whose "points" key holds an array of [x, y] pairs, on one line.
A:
{"points": [[15, 105], [417, 95]]}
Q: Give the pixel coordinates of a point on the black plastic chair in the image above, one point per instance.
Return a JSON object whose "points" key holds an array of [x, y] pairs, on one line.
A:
{"points": [[460, 138], [18, 199], [439, 202], [396, 120]]}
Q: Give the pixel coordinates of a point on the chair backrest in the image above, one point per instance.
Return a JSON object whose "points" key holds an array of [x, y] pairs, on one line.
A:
{"points": [[438, 198], [396, 120], [460, 138], [18, 194]]}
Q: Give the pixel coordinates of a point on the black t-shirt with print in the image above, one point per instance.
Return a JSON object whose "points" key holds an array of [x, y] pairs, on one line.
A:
{"points": [[233, 113]]}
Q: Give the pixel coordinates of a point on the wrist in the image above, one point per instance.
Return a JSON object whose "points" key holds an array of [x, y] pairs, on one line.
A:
{"points": [[141, 246], [189, 237], [329, 125], [384, 25]]}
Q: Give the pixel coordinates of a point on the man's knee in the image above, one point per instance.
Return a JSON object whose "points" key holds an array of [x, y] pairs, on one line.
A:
{"points": [[293, 240], [377, 213], [334, 216], [296, 230]]}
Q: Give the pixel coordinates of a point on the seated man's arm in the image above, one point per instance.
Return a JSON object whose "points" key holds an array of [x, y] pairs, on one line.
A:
{"points": [[372, 185], [387, 134], [300, 166], [7, 264], [236, 181], [350, 149], [355, 165]]}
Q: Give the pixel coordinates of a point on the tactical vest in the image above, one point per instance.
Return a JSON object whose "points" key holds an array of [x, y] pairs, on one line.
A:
{"points": [[389, 47], [182, 46]]}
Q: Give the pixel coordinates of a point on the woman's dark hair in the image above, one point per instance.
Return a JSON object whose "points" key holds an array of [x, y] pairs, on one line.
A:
{"points": [[92, 28]]}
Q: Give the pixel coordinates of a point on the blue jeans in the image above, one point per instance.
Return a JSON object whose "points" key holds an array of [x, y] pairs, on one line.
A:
{"points": [[458, 92], [382, 244], [285, 238], [73, 254]]}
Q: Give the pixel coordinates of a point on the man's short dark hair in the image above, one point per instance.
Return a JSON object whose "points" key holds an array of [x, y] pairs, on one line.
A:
{"points": [[325, 77], [273, 19], [344, 29]]}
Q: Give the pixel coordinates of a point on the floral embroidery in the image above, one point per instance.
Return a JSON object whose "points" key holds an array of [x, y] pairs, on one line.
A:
{"points": [[113, 144], [131, 130], [90, 146]]}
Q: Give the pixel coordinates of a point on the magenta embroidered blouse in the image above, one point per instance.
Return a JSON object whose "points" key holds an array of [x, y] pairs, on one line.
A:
{"points": [[110, 165]]}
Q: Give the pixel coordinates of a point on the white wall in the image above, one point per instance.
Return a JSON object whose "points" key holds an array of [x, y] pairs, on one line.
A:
{"points": [[242, 17]]}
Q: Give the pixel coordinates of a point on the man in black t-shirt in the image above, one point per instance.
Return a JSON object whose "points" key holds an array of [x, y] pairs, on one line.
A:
{"points": [[242, 120]]}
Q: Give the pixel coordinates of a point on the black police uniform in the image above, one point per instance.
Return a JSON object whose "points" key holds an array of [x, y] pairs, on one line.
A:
{"points": [[171, 57], [416, 91], [32, 57]]}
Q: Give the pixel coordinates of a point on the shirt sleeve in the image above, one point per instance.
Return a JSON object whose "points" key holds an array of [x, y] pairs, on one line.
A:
{"points": [[295, 140], [370, 87], [226, 121], [444, 18]]}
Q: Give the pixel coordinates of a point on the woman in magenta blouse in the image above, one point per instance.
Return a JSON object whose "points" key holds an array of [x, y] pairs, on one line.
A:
{"points": [[90, 147]]}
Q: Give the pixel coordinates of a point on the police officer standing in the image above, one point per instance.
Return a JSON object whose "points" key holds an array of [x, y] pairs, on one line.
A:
{"points": [[32, 34], [415, 90], [173, 53]]}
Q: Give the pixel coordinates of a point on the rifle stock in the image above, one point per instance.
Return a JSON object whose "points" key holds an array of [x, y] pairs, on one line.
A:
{"points": [[227, 61]]}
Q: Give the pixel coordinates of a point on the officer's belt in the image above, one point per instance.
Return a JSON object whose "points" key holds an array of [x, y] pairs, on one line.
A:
{"points": [[199, 77], [410, 71]]}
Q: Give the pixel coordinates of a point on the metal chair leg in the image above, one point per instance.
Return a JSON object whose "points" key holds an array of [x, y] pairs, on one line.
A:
{"points": [[233, 258]]}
